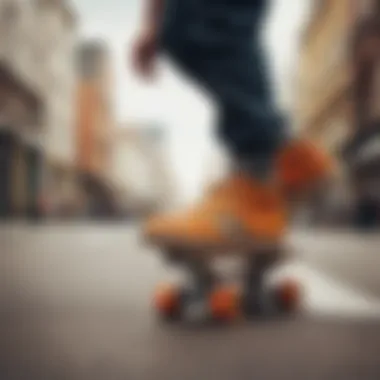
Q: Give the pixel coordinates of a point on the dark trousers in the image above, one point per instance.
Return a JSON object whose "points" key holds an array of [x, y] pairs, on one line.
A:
{"points": [[218, 44]]}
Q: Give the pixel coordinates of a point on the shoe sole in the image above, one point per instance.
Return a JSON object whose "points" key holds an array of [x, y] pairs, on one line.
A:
{"points": [[176, 248]]}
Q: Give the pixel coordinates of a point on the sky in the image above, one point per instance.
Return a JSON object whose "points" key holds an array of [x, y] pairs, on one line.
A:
{"points": [[173, 101]]}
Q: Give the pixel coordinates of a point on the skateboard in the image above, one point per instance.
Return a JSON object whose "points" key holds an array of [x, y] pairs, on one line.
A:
{"points": [[209, 297], [300, 169]]}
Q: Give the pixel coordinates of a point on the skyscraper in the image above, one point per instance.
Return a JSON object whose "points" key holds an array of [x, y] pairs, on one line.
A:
{"points": [[95, 125], [94, 114]]}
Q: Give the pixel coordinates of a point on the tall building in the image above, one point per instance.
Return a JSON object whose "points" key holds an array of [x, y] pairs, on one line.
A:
{"points": [[20, 106], [362, 151], [338, 94], [57, 25], [95, 121], [324, 105], [94, 114], [34, 55]]}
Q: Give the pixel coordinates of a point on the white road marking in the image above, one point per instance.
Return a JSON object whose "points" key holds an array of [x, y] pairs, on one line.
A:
{"points": [[325, 296]]}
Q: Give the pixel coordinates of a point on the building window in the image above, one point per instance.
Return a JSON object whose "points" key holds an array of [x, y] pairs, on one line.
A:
{"points": [[374, 106]]}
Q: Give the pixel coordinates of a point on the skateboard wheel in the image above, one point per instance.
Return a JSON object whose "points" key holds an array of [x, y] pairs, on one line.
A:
{"points": [[288, 295], [224, 304], [167, 301]]}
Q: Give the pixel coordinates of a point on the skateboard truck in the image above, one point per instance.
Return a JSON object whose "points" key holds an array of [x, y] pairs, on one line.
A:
{"points": [[210, 298]]}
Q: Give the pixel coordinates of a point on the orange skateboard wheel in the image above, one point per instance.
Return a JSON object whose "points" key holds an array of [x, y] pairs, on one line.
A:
{"points": [[224, 303], [167, 300], [289, 294]]}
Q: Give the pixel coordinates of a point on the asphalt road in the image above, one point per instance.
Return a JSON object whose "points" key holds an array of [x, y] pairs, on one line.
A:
{"points": [[352, 257], [75, 304]]}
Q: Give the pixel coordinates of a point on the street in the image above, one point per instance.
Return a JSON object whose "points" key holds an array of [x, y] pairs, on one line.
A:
{"points": [[76, 305]]}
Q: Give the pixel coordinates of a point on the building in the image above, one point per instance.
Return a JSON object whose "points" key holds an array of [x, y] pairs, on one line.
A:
{"points": [[34, 55], [95, 122], [57, 27], [338, 94], [20, 107], [362, 151], [324, 105], [94, 113], [141, 170]]}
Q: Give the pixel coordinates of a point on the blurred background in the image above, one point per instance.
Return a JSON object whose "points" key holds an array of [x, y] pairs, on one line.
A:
{"points": [[83, 141], [82, 138]]}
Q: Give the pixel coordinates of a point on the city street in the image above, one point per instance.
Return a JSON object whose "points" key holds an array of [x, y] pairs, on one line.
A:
{"points": [[82, 136], [75, 304]]}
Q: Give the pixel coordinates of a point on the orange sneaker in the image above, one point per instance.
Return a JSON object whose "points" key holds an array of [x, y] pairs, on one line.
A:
{"points": [[243, 213], [240, 213]]}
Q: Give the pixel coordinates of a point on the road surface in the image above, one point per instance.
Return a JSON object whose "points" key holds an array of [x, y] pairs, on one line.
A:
{"points": [[75, 304]]}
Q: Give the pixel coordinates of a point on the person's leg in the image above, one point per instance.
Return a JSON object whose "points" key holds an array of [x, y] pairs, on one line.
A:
{"points": [[217, 44], [219, 47], [250, 123]]}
